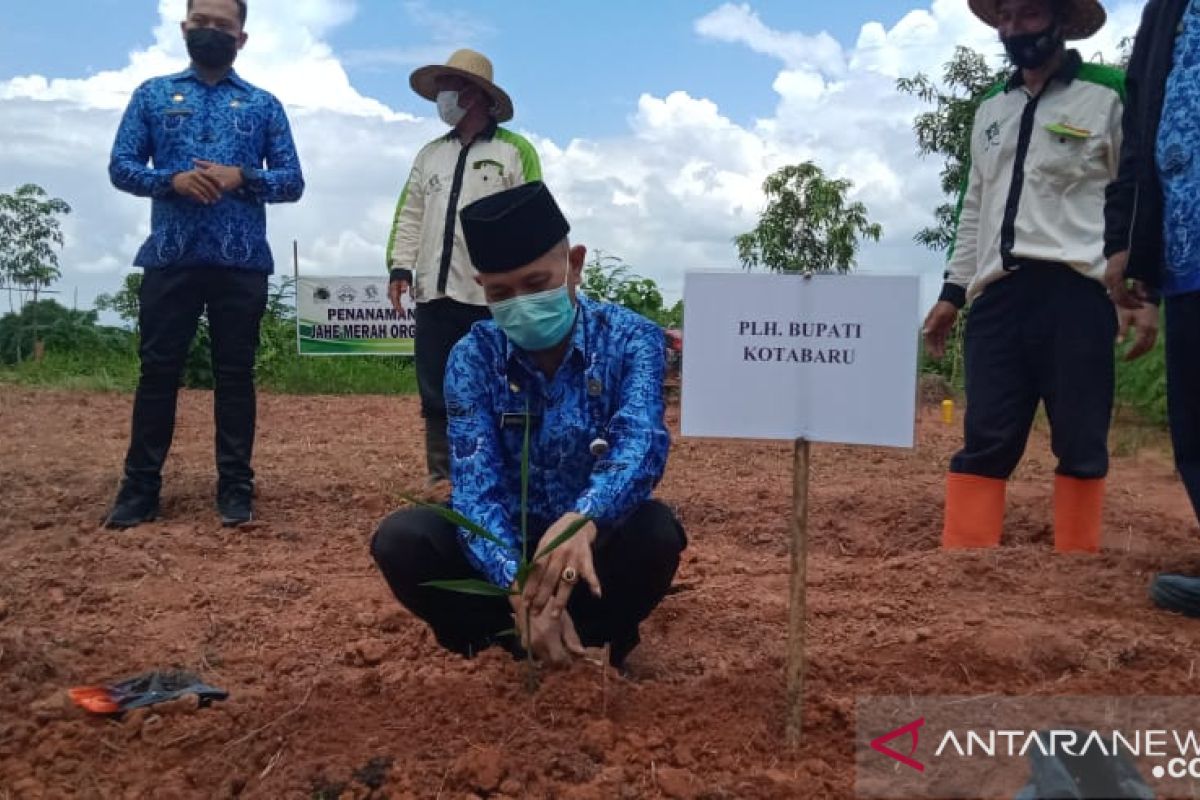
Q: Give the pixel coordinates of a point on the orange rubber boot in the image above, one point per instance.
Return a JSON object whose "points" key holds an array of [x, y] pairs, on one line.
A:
{"points": [[1078, 506], [974, 511]]}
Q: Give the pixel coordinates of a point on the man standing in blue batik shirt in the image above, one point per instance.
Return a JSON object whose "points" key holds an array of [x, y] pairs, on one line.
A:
{"points": [[1152, 228], [590, 377], [218, 150]]}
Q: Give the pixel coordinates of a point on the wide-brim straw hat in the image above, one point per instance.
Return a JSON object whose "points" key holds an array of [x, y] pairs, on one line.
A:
{"points": [[1081, 18], [471, 66]]}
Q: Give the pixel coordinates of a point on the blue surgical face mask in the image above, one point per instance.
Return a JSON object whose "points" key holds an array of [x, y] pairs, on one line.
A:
{"points": [[536, 321]]}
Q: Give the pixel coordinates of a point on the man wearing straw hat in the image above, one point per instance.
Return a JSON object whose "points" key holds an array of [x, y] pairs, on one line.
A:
{"points": [[1028, 255], [1153, 230], [426, 252]]}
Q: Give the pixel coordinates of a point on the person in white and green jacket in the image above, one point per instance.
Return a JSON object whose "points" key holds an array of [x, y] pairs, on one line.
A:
{"points": [[426, 252], [1028, 256]]}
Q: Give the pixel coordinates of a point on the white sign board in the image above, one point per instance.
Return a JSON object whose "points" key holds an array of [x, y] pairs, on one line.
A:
{"points": [[338, 316], [830, 358]]}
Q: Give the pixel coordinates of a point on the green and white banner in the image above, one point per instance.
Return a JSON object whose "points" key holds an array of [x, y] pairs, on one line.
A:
{"points": [[339, 316]]}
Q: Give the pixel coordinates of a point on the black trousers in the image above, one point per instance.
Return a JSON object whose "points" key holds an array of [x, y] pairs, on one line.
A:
{"points": [[1044, 333], [635, 563], [440, 324], [171, 303], [1183, 388]]}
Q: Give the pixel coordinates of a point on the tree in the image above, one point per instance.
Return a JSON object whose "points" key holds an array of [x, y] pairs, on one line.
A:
{"points": [[807, 226], [126, 303], [277, 332], [607, 277], [946, 130], [63, 329], [29, 233]]}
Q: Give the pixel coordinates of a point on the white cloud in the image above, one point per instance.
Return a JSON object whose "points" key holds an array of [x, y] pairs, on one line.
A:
{"points": [[286, 52], [740, 23], [668, 195]]}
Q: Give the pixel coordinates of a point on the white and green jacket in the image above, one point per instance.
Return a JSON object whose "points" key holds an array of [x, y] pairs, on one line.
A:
{"points": [[1037, 177], [426, 240]]}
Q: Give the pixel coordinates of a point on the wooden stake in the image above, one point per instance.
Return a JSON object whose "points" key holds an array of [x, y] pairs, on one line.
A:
{"points": [[296, 290], [797, 605]]}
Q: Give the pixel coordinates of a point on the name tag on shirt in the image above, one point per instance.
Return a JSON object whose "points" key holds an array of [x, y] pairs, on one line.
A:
{"points": [[517, 420]]}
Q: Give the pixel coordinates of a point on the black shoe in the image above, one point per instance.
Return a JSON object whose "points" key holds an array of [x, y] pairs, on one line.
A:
{"points": [[236, 505], [1178, 593], [133, 506]]}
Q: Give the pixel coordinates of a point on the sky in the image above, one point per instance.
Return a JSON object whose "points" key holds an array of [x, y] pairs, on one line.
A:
{"points": [[656, 120]]}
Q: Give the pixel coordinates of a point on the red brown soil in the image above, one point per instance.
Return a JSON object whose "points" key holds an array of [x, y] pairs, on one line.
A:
{"points": [[335, 690]]}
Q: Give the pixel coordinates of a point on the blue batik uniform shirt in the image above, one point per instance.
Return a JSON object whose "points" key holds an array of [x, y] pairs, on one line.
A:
{"points": [[1178, 159], [609, 386], [172, 121]]}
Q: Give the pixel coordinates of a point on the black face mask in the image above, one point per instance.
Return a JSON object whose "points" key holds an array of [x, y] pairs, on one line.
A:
{"points": [[211, 48], [1033, 50]]}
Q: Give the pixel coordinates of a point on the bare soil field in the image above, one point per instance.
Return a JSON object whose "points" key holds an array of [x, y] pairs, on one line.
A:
{"points": [[337, 692]]}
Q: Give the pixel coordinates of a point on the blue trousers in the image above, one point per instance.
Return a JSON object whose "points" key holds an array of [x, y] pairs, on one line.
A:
{"points": [[1183, 388]]}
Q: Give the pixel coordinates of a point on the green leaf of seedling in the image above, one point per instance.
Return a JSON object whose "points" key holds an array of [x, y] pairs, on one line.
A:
{"points": [[563, 537], [450, 515], [507, 632], [470, 586], [523, 570], [525, 486]]}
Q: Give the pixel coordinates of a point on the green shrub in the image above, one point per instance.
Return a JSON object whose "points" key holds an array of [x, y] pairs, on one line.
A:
{"points": [[81, 354], [1142, 384]]}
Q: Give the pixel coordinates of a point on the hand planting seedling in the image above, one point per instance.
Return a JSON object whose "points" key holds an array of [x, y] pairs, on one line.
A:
{"points": [[526, 567]]}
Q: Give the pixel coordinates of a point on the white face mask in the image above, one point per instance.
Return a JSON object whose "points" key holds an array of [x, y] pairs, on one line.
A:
{"points": [[448, 108]]}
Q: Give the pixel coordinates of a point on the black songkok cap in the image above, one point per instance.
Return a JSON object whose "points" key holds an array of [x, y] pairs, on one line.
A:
{"points": [[509, 229]]}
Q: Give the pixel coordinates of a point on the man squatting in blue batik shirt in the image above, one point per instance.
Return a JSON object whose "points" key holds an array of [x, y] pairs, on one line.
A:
{"points": [[219, 150], [590, 375]]}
